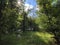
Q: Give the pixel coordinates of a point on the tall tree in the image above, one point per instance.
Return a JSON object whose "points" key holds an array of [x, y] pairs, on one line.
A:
{"points": [[51, 9], [8, 17]]}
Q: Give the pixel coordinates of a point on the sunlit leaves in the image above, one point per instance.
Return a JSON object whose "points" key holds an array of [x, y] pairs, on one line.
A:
{"points": [[42, 21]]}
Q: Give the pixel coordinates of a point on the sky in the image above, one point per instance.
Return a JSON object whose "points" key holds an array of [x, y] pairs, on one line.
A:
{"points": [[31, 2], [29, 5]]}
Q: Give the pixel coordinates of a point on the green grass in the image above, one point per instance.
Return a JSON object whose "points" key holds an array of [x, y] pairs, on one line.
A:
{"points": [[31, 38], [36, 38]]}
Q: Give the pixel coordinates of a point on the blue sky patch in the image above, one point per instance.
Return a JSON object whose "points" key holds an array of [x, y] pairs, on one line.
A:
{"points": [[31, 2]]}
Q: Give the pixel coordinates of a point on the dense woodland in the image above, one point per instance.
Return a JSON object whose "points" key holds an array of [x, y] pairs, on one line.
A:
{"points": [[16, 28]]}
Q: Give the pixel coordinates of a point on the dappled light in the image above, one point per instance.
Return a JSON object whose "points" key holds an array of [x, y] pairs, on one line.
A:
{"points": [[29, 22], [44, 36]]}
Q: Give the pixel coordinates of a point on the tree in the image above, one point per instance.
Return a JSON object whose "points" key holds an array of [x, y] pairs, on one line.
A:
{"points": [[51, 10], [9, 18]]}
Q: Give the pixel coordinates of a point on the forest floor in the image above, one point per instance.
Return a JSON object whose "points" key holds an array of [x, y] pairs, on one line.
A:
{"points": [[36, 38], [30, 38]]}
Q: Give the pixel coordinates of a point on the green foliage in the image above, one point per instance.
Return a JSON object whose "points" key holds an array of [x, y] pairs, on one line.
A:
{"points": [[13, 22], [9, 20], [52, 13], [42, 21], [36, 38]]}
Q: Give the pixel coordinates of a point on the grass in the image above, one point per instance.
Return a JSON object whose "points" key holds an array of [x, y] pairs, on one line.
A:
{"points": [[36, 38], [33, 38]]}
